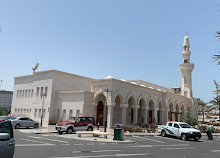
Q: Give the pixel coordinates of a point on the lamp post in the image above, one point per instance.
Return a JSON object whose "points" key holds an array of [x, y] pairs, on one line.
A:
{"points": [[43, 96], [107, 91]]}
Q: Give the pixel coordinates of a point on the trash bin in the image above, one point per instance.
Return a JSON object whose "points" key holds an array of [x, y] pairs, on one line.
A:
{"points": [[118, 132]]}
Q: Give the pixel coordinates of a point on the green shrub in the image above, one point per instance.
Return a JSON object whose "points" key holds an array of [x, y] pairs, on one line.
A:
{"points": [[133, 128], [52, 122], [190, 120]]}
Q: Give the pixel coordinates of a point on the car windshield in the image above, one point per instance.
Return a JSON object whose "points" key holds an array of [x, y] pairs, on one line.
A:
{"points": [[184, 125], [12, 118], [72, 119]]}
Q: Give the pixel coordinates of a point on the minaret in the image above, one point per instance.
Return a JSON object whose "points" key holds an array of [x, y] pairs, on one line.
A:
{"points": [[186, 69]]}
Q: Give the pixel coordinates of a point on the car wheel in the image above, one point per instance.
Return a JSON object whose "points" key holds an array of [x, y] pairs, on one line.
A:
{"points": [[17, 126], [35, 125], [90, 129], [163, 133], [69, 130], [183, 136], [60, 132]]}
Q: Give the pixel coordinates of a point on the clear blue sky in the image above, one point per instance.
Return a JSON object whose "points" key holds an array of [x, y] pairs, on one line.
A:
{"points": [[125, 39]]}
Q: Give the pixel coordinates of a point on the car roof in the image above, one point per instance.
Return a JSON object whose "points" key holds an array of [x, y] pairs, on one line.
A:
{"points": [[176, 122]]}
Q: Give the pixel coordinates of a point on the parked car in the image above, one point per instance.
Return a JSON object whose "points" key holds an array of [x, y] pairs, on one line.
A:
{"points": [[75, 124], [7, 142], [179, 129], [3, 118], [24, 122]]}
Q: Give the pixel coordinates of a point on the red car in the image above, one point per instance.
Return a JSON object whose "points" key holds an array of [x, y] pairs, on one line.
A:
{"points": [[76, 123], [4, 118]]}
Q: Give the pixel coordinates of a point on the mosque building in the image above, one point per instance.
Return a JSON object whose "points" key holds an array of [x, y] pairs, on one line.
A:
{"points": [[57, 95]]}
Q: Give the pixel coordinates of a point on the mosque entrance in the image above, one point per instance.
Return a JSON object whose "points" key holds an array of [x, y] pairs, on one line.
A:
{"points": [[99, 116]]}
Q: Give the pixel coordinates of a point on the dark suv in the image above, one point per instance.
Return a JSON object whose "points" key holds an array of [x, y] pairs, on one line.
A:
{"points": [[7, 142], [76, 123]]}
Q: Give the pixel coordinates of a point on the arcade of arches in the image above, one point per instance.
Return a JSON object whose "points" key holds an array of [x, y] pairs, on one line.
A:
{"points": [[128, 112]]}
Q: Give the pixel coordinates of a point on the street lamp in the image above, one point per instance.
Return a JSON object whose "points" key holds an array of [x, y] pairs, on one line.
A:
{"points": [[43, 96], [107, 91]]}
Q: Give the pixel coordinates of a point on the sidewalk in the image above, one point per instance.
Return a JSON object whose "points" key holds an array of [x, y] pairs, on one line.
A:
{"points": [[51, 129], [95, 139]]}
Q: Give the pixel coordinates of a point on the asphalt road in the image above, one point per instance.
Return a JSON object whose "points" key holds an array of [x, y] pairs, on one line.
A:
{"points": [[54, 146]]}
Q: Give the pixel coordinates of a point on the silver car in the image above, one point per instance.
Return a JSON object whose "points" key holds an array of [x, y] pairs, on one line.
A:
{"points": [[7, 142], [24, 122]]}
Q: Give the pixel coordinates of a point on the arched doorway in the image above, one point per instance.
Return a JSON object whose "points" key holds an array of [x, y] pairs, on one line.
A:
{"points": [[170, 118], [141, 117], [99, 116], [130, 111], [150, 113], [159, 115], [117, 111]]}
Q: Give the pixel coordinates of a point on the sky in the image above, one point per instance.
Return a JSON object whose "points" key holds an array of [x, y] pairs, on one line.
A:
{"points": [[125, 39]]}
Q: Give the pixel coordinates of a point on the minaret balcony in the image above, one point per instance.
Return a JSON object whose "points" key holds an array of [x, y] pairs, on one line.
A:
{"points": [[186, 66], [186, 53]]}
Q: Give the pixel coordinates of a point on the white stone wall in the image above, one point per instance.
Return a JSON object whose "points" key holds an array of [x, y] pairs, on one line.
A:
{"points": [[66, 82], [55, 81], [70, 101], [27, 105]]}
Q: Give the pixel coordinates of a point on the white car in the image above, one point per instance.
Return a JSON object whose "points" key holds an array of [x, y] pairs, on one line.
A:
{"points": [[179, 129], [24, 122], [7, 142]]}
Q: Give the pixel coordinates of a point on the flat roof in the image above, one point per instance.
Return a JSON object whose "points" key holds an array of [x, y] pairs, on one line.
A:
{"points": [[57, 71]]}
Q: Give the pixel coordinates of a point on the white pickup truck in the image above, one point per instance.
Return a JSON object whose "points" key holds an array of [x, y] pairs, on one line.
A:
{"points": [[179, 129]]}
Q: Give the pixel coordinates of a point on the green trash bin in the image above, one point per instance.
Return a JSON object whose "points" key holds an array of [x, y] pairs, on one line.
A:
{"points": [[118, 132]]}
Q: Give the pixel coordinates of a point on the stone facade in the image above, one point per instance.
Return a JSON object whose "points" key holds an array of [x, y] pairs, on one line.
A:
{"points": [[118, 101]]}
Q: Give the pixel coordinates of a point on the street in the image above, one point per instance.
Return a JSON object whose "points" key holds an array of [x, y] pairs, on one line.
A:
{"points": [[52, 145]]}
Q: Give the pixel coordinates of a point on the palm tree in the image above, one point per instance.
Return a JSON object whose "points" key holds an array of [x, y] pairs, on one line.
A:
{"points": [[209, 109], [217, 57], [216, 102], [202, 108]]}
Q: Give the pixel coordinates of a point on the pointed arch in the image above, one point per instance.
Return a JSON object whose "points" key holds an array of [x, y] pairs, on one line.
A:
{"points": [[118, 93]]}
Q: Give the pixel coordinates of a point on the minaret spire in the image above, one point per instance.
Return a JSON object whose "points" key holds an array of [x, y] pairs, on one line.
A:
{"points": [[186, 69]]}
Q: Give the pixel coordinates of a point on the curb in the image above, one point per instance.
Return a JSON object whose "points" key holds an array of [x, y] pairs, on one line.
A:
{"points": [[98, 139]]}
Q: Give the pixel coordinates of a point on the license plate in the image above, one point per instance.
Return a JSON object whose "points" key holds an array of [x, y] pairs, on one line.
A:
{"points": [[197, 137], [59, 129]]}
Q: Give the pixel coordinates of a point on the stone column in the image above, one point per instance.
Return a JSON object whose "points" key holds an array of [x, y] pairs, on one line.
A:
{"points": [[110, 106], [173, 115], [145, 114], [135, 113], [155, 114], [164, 116], [179, 115], [123, 113]]}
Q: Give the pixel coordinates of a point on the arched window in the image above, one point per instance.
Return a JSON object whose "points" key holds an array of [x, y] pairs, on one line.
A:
{"points": [[185, 93]]}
